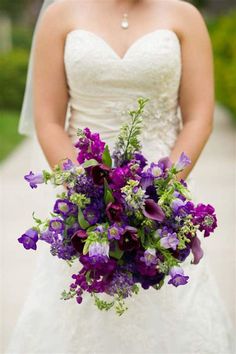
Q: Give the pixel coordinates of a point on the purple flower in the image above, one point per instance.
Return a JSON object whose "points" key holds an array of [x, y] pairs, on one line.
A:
{"points": [[153, 211], [56, 225], [100, 251], [165, 163], [34, 179], [149, 257], [114, 211], [182, 162], [155, 170], [67, 165], [77, 240], [47, 236], [196, 250], [170, 241], [118, 176], [140, 159], [121, 283], [177, 276], [129, 239], [29, 239], [147, 268], [91, 214], [63, 207], [204, 215], [99, 172], [147, 179], [114, 232]]}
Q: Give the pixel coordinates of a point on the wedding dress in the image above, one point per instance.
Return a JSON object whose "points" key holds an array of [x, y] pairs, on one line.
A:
{"points": [[185, 320]]}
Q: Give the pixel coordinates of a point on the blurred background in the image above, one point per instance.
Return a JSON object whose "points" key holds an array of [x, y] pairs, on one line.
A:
{"points": [[214, 176]]}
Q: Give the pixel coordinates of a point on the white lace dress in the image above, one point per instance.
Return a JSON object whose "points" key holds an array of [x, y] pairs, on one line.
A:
{"points": [[184, 320]]}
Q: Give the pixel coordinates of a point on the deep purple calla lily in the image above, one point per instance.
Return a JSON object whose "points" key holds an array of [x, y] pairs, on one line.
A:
{"points": [[196, 250], [153, 211]]}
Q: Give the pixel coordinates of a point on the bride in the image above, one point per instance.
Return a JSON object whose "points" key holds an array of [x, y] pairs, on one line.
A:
{"points": [[92, 59]]}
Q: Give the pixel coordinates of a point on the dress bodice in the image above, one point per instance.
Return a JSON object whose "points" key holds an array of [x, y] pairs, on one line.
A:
{"points": [[103, 86]]}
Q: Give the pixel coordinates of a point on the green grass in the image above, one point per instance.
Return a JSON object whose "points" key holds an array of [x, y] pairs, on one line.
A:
{"points": [[9, 137]]}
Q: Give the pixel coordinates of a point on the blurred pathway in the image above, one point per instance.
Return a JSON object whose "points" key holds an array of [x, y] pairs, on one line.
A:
{"points": [[215, 180]]}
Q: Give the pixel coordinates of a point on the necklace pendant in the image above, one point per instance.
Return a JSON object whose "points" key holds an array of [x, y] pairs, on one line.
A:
{"points": [[124, 22]]}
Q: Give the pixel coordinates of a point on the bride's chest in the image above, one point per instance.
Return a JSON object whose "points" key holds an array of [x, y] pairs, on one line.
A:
{"points": [[152, 62]]}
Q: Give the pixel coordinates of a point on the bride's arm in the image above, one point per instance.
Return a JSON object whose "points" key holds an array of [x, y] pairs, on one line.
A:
{"points": [[50, 88], [196, 93]]}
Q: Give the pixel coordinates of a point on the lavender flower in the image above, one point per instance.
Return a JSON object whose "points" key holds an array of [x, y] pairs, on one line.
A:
{"points": [[182, 162], [177, 276], [34, 179], [170, 241], [149, 257]]}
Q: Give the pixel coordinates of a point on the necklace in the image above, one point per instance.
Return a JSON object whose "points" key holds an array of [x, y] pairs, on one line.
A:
{"points": [[124, 22]]}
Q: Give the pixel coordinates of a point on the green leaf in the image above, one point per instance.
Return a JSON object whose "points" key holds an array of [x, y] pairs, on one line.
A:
{"points": [[108, 197], [83, 223], [90, 163], [117, 253], [106, 157]]}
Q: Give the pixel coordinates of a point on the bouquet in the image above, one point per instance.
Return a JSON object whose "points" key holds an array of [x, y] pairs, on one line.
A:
{"points": [[128, 224]]}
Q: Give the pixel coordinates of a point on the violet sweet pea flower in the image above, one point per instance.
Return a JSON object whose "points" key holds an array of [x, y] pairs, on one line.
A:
{"points": [[182, 162], [204, 215], [29, 239], [177, 276], [153, 211], [34, 179]]}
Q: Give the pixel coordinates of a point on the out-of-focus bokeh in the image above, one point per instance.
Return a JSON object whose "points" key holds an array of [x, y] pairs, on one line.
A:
{"points": [[214, 174]]}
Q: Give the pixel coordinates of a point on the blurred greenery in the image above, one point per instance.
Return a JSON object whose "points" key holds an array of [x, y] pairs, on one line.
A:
{"points": [[223, 34], [13, 8], [9, 136], [13, 69]]}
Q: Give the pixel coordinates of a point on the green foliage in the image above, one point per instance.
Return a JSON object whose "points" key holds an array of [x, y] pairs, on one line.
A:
{"points": [[21, 37], [223, 33], [128, 140], [13, 69], [9, 137], [13, 8]]}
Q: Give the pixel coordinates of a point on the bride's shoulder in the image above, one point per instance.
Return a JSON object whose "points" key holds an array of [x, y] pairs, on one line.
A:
{"points": [[51, 19], [188, 19], [186, 11]]}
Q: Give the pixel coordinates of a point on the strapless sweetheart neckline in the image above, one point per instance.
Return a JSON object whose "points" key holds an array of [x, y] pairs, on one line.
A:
{"points": [[132, 46]]}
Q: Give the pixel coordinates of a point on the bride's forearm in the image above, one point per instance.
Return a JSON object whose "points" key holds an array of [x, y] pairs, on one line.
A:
{"points": [[55, 143], [191, 140]]}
